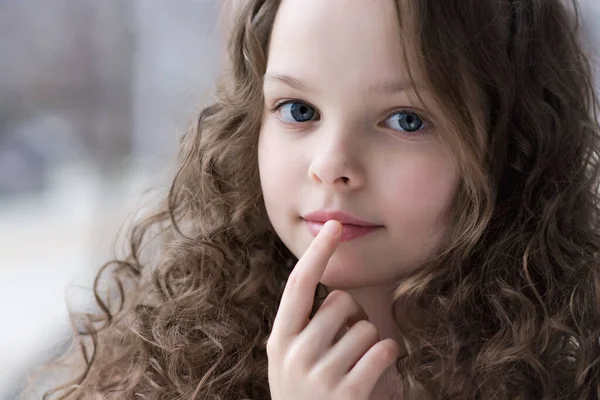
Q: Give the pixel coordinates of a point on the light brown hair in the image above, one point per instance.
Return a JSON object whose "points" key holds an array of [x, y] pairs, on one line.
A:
{"points": [[511, 301]]}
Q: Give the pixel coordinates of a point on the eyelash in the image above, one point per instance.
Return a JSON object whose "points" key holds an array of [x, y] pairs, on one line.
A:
{"points": [[419, 132]]}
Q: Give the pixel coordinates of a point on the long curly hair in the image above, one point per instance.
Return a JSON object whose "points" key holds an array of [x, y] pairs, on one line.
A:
{"points": [[507, 309]]}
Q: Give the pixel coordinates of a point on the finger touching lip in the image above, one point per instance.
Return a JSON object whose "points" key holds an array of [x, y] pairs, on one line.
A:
{"points": [[349, 231]]}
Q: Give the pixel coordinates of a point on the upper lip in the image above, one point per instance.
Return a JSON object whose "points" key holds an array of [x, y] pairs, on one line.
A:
{"points": [[324, 216]]}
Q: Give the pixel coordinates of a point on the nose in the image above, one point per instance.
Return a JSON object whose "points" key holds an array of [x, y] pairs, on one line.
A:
{"points": [[335, 162]]}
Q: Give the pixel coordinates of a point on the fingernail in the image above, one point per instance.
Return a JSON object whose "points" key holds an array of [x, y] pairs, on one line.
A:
{"points": [[331, 227]]}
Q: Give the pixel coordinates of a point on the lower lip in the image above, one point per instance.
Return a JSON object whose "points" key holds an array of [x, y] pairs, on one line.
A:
{"points": [[349, 232]]}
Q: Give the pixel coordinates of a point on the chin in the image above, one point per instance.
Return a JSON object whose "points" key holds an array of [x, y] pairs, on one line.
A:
{"points": [[350, 275]]}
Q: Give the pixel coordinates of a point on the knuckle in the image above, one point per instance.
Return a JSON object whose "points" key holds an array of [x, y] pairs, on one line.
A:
{"points": [[272, 347], [389, 351], [295, 279], [346, 302], [368, 330], [350, 390], [344, 299], [331, 298], [320, 379], [297, 283], [276, 347], [295, 355]]}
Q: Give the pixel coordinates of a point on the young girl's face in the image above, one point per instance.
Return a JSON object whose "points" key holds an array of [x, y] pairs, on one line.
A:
{"points": [[339, 133]]}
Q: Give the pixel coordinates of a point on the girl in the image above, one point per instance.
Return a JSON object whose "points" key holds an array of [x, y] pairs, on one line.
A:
{"points": [[455, 141]]}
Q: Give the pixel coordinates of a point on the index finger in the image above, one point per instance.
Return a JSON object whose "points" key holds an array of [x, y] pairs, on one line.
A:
{"points": [[298, 294]]}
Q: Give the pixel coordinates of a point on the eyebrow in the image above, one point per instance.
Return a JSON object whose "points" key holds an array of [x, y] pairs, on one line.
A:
{"points": [[388, 86]]}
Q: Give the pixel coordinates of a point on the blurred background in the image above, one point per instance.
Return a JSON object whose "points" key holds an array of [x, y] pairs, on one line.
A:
{"points": [[93, 98]]}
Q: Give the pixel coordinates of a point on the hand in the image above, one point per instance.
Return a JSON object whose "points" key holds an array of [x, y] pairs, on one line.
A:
{"points": [[304, 360]]}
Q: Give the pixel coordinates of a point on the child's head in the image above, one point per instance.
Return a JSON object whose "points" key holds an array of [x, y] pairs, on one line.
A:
{"points": [[342, 130], [425, 118], [463, 127]]}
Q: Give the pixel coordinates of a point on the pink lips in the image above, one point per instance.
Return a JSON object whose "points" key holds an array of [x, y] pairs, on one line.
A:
{"points": [[352, 226]]}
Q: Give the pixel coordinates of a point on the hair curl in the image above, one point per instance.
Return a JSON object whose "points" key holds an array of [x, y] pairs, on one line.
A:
{"points": [[508, 309]]}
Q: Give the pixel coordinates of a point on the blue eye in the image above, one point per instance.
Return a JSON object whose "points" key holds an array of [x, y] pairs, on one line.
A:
{"points": [[294, 111], [405, 121]]}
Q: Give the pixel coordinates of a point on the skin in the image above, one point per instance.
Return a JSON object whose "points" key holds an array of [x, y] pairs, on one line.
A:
{"points": [[350, 367], [352, 154]]}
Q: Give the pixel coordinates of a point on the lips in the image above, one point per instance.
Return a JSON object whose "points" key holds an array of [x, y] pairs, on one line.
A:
{"points": [[349, 232], [344, 218], [352, 227]]}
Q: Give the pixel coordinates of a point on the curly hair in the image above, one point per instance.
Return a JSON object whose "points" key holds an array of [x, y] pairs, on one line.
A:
{"points": [[507, 309]]}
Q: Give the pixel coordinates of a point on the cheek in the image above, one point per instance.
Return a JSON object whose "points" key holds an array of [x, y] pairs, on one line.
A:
{"points": [[277, 167], [421, 191], [267, 163]]}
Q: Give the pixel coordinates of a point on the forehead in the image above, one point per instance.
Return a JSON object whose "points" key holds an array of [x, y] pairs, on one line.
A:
{"points": [[347, 39]]}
